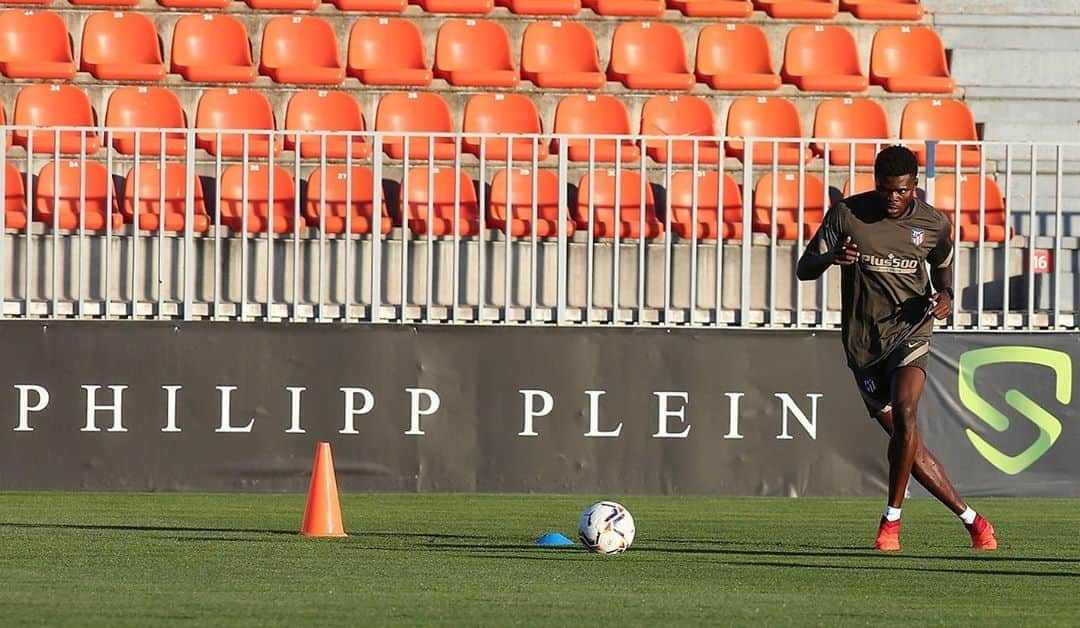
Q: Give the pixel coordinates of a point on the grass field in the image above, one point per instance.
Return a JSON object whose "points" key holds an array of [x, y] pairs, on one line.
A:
{"points": [[154, 559]]}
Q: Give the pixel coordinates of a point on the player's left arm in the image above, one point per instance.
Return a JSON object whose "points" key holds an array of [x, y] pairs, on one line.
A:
{"points": [[941, 275]]}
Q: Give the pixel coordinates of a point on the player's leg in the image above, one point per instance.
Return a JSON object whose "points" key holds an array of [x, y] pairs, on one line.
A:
{"points": [[928, 471], [907, 387]]}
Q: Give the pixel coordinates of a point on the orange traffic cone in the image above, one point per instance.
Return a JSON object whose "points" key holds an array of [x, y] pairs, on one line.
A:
{"points": [[322, 515]]}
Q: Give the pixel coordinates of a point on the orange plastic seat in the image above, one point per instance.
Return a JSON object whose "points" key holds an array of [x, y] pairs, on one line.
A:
{"points": [[283, 5], [735, 56], [649, 55], [884, 9], [7, 134], [594, 114], [541, 7], [560, 55], [372, 6], [262, 212], [430, 206], [862, 182], [709, 224], [910, 59], [798, 9], [713, 8], [478, 7], [823, 58], [195, 4], [761, 116], [326, 111], [152, 189], [55, 105], [415, 112], [14, 198], [681, 116], [787, 205], [626, 8], [503, 113], [941, 120], [598, 189], [388, 51], [519, 198], [68, 190], [35, 45], [344, 191], [474, 53], [224, 109], [212, 48], [850, 118], [121, 47], [300, 49], [149, 108], [993, 207], [30, 2]]}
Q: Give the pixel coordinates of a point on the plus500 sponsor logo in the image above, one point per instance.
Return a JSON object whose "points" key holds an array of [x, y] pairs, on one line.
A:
{"points": [[889, 264]]}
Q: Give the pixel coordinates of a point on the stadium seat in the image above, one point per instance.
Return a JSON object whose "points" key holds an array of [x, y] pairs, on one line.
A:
{"points": [[941, 120], [713, 8], [863, 182], [29, 3], [682, 116], [910, 59], [474, 7], [67, 189], [35, 45], [326, 111], [736, 57], [430, 206], [559, 55], [283, 5], [993, 207], [223, 109], [626, 8], [521, 197], [823, 58], [415, 112], [173, 188], [599, 190], [474, 53], [649, 55], [388, 51], [212, 48], [104, 3], [262, 214], [300, 49], [681, 195], [856, 118], [345, 189], [7, 134], [372, 6], [150, 108], [14, 198], [503, 113], [541, 7], [121, 47], [195, 4], [761, 116], [798, 9], [54, 105], [909, 10], [787, 205], [594, 114]]}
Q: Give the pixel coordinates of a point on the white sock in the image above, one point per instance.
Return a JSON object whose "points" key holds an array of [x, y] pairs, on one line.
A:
{"points": [[968, 516], [892, 514]]}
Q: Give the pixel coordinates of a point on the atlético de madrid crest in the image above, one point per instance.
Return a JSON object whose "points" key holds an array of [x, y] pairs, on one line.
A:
{"points": [[917, 236]]}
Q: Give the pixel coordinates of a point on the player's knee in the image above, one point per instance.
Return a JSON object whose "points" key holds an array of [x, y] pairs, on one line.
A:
{"points": [[905, 415]]}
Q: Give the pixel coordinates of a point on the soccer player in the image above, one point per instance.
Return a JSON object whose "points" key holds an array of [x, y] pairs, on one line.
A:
{"points": [[883, 240]]}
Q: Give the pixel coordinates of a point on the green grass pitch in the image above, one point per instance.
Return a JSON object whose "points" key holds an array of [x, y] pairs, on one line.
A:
{"points": [[459, 560]]}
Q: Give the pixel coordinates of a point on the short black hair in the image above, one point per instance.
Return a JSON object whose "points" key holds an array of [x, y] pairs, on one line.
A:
{"points": [[895, 161]]}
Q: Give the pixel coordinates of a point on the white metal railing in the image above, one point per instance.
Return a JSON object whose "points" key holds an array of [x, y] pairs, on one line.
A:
{"points": [[493, 275]]}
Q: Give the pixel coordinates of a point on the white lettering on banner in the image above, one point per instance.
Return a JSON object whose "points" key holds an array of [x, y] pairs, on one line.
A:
{"points": [[350, 407], [294, 394], [594, 417], [226, 425], [92, 408], [170, 408], [664, 413], [788, 404], [530, 409], [24, 404], [733, 416], [415, 412]]}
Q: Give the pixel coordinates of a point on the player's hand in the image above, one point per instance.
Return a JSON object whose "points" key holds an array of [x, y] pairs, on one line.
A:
{"points": [[845, 252], [942, 305]]}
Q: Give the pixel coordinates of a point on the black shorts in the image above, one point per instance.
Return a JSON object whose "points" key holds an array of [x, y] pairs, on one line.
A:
{"points": [[875, 381]]}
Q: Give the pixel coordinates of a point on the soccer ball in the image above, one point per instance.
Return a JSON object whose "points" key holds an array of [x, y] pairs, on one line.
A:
{"points": [[606, 528]]}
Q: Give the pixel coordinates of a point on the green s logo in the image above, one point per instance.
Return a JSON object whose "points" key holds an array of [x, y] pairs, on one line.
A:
{"points": [[1049, 426]]}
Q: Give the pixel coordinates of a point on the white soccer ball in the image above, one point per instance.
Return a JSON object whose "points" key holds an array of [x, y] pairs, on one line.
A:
{"points": [[606, 528]]}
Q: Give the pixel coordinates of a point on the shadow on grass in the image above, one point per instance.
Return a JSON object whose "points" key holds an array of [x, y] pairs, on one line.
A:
{"points": [[206, 530]]}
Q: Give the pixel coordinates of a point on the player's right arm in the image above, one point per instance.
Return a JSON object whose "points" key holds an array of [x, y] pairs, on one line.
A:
{"points": [[829, 246]]}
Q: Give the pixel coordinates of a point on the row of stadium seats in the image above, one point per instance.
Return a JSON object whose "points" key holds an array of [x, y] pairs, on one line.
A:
{"points": [[213, 48], [75, 190], [678, 116], [784, 9]]}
